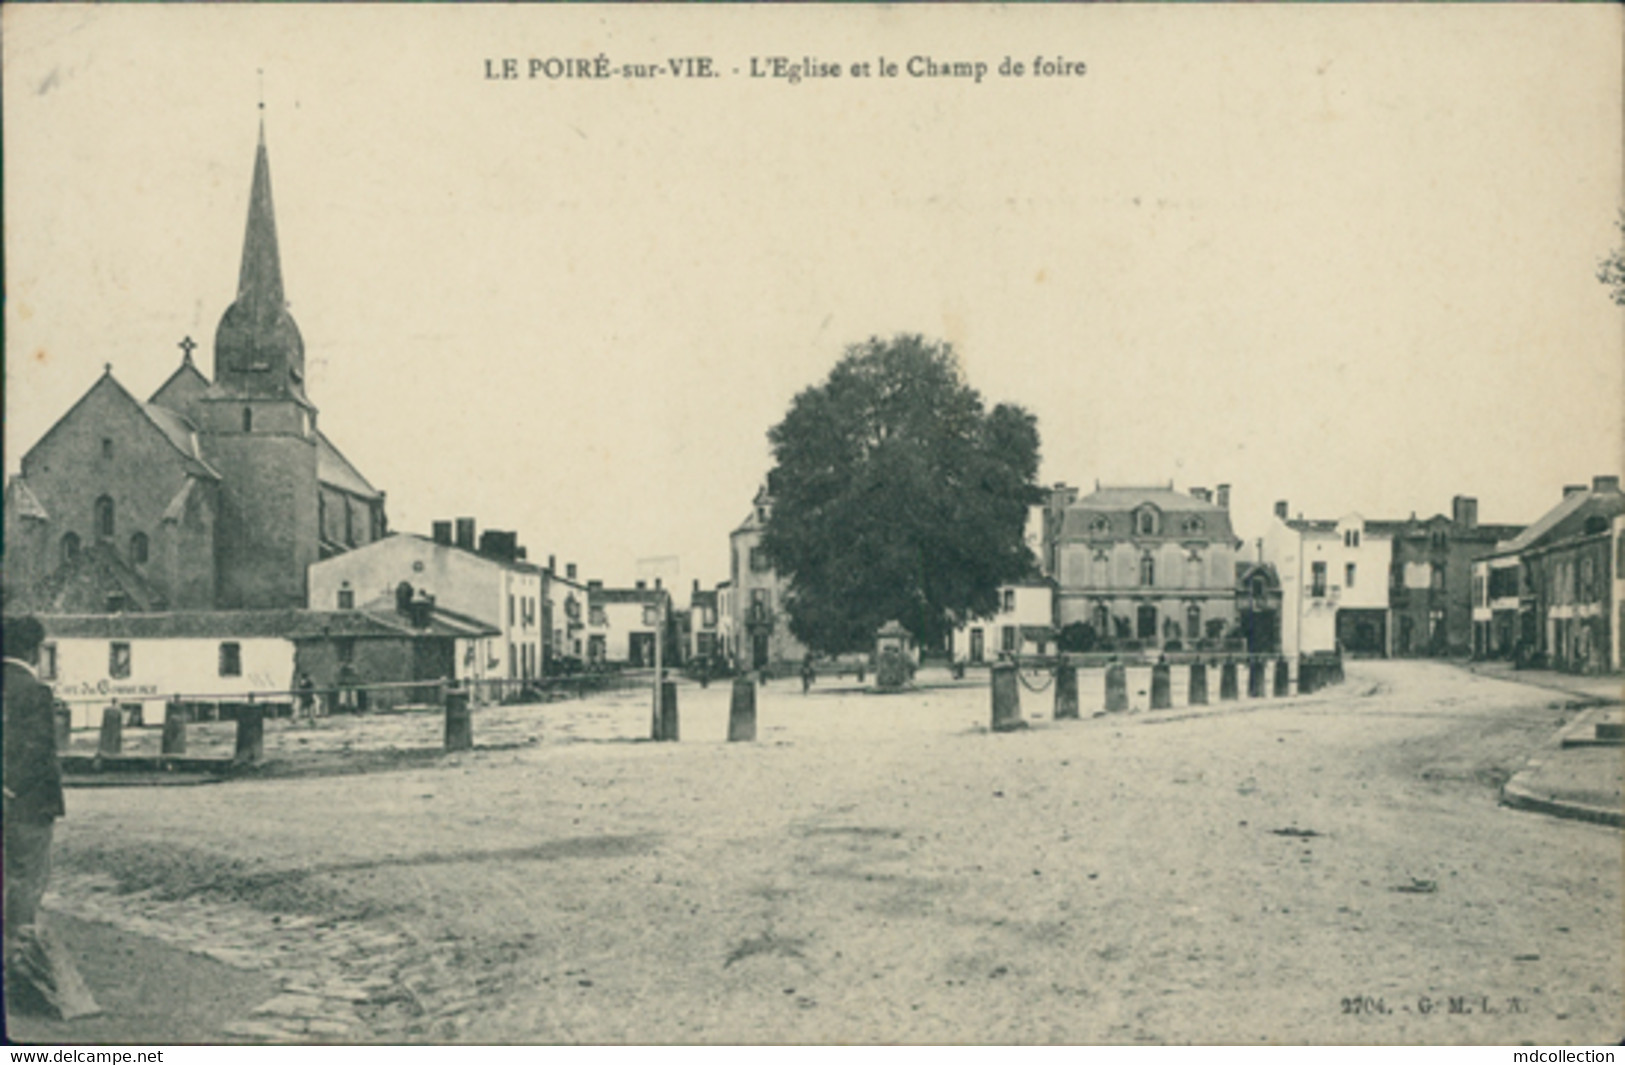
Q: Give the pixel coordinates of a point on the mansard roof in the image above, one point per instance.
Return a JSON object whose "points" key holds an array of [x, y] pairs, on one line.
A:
{"points": [[1115, 507]]}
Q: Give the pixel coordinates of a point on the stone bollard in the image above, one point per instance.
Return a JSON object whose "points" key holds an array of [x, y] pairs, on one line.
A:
{"points": [[63, 718], [1006, 698], [250, 733], [742, 712], [1283, 678], [459, 720], [174, 741], [1227, 680], [668, 711], [1255, 678], [1116, 688], [1066, 692], [1198, 693], [112, 737], [1162, 688]]}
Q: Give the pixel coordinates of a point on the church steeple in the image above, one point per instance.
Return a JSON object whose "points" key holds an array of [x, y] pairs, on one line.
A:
{"points": [[261, 274], [257, 348]]}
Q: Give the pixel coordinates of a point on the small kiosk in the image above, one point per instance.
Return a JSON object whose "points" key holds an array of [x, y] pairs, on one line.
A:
{"points": [[894, 657]]}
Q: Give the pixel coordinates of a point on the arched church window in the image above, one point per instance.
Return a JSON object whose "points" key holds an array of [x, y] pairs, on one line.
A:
{"points": [[104, 517], [138, 548], [248, 419], [70, 547]]}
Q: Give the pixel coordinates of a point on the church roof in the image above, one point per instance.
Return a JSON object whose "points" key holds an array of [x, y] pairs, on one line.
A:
{"points": [[85, 585], [180, 433], [174, 427], [333, 469], [182, 387]]}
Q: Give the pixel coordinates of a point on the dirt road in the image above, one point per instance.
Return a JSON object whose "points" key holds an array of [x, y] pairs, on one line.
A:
{"points": [[882, 869]]}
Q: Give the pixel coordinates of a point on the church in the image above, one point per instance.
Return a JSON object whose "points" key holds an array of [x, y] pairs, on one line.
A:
{"points": [[210, 495]]}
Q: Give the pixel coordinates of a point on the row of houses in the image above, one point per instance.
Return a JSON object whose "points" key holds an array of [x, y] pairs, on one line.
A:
{"points": [[1149, 568]]}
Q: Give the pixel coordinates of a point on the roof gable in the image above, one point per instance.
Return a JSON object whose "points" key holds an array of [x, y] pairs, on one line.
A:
{"points": [[172, 427]]}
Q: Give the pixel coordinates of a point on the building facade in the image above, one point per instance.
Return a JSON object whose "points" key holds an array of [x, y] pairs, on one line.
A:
{"points": [[1144, 568], [485, 580], [211, 494], [1430, 580], [208, 656], [1334, 583], [622, 623], [759, 624], [1022, 626]]}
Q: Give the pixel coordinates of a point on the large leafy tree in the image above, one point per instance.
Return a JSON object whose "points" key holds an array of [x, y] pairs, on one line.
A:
{"points": [[896, 495], [1611, 271]]}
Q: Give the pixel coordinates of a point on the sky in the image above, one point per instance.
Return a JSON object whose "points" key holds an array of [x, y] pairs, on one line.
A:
{"points": [[1334, 254]]}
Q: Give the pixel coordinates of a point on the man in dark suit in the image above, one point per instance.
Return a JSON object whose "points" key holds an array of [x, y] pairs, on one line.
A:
{"points": [[40, 974], [33, 779]]}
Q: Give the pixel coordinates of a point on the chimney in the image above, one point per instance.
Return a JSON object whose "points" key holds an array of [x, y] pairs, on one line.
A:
{"points": [[421, 609], [520, 553], [552, 563], [1203, 494], [593, 585], [1605, 483], [403, 598], [465, 533], [657, 582], [696, 585], [1572, 489], [640, 586], [1280, 509], [442, 533], [570, 571], [499, 544], [1224, 497], [1464, 512]]}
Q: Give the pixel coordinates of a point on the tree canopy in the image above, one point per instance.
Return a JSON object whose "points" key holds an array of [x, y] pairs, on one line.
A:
{"points": [[896, 495], [1611, 271]]}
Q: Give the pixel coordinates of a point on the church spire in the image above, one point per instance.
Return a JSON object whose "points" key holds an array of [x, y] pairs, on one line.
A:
{"points": [[257, 347], [261, 274]]}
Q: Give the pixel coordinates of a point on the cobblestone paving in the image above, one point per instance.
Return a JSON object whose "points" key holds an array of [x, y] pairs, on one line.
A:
{"points": [[338, 979]]}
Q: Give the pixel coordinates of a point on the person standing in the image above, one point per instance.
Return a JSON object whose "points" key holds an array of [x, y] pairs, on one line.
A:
{"points": [[33, 778], [33, 802]]}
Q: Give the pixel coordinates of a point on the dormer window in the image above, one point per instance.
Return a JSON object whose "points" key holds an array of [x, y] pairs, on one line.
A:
{"points": [[1194, 526], [1098, 527], [1145, 521]]}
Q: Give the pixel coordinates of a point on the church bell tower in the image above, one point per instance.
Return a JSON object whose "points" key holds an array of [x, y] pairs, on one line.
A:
{"points": [[258, 428]]}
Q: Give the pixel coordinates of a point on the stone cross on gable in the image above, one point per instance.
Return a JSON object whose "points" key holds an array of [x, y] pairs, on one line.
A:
{"points": [[186, 345]]}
